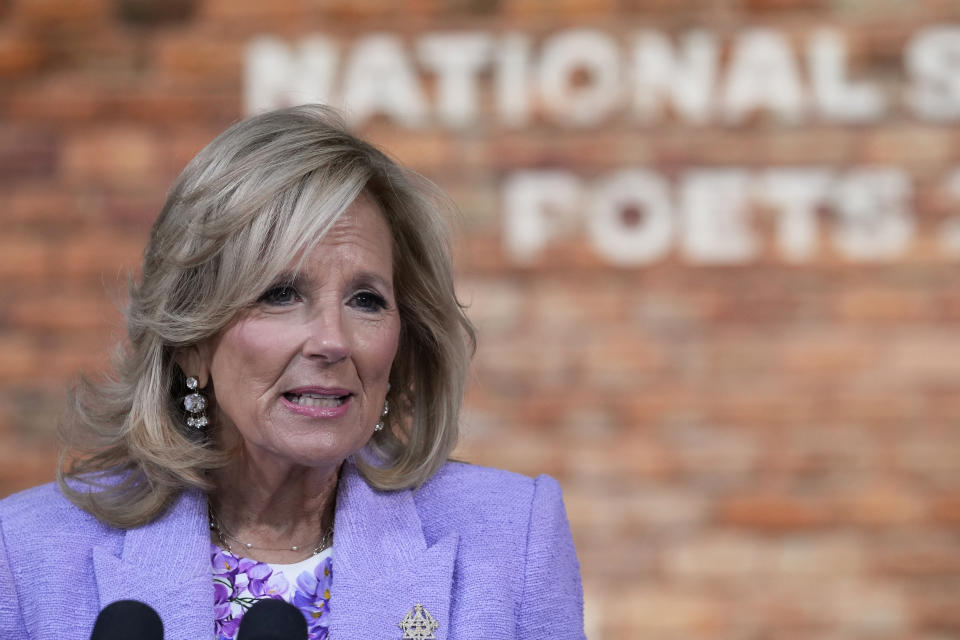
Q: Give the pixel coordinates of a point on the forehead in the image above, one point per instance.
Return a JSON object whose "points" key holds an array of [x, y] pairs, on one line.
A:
{"points": [[360, 236]]}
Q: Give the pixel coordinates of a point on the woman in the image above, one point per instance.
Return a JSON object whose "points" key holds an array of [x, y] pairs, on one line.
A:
{"points": [[280, 424]]}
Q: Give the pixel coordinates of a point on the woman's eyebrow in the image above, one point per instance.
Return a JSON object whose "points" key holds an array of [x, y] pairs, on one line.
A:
{"points": [[306, 280], [291, 277], [373, 278]]}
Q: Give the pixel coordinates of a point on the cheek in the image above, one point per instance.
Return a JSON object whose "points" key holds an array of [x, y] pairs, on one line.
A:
{"points": [[380, 350], [390, 349], [248, 352], [392, 342]]}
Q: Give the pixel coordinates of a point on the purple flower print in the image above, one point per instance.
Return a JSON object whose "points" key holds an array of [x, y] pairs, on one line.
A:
{"points": [[238, 583], [312, 597], [264, 583], [225, 626], [224, 563], [225, 566], [221, 600], [227, 629]]}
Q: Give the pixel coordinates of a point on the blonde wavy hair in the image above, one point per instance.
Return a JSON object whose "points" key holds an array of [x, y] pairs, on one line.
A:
{"points": [[266, 189]]}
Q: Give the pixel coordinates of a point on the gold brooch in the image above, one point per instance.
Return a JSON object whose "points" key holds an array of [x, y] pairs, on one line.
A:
{"points": [[419, 624]]}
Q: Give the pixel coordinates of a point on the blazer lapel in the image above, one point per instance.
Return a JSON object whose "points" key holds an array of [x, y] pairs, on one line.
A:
{"points": [[165, 564], [382, 566]]}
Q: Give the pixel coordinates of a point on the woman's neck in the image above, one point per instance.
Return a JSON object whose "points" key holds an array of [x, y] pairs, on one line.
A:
{"points": [[262, 511]]}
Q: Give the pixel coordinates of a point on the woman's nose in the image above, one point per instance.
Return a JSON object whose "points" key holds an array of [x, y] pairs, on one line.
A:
{"points": [[326, 338]]}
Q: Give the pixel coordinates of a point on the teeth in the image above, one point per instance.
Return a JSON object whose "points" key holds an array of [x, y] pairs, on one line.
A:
{"points": [[317, 401]]}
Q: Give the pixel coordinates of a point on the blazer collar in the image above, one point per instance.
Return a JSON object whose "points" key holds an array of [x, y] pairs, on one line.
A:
{"points": [[165, 564], [382, 565]]}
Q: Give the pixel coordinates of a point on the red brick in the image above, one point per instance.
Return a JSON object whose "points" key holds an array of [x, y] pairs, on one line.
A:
{"points": [[783, 5], [883, 506], [102, 254], [30, 205], [774, 513], [917, 557], [813, 353], [24, 256], [662, 612], [735, 557], [61, 99], [20, 55], [885, 305], [496, 308], [62, 314], [541, 149], [70, 12], [920, 147], [27, 154], [31, 357], [936, 612], [176, 108], [18, 359], [281, 14], [936, 460], [199, 57], [184, 142], [428, 151], [21, 469], [946, 510], [114, 156], [146, 13]]}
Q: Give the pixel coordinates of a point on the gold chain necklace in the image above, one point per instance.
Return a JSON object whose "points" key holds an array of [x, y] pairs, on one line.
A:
{"points": [[325, 540]]}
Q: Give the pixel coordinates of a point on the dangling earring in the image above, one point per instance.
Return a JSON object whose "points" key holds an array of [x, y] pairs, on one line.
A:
{"points": [[383, 414], [196, 405]]}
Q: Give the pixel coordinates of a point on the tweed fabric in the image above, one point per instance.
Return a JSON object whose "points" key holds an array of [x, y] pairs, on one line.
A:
{"points": [[487, 552]]}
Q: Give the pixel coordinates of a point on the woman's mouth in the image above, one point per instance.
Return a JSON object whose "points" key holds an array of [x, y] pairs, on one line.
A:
{"points": [[316, 402], [316, 399]]}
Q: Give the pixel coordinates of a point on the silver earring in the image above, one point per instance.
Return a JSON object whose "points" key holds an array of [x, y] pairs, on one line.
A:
{"points": [[196, 405], [383, 414]]}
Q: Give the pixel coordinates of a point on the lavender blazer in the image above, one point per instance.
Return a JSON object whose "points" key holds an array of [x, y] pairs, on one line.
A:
{"points": [[488, 553]]}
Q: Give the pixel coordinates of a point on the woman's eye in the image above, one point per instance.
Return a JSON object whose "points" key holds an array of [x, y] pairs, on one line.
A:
{"points": [[279, 295], [368, 301]]}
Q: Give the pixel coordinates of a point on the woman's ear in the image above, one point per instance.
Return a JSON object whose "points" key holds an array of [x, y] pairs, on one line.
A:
{"points": [[193, 361]]}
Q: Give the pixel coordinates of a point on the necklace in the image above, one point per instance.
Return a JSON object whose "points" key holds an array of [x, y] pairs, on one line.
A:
{"points": [[325, 540]]}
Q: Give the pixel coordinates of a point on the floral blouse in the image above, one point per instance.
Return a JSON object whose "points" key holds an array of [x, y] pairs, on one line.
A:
{"points": [[238, 583]]}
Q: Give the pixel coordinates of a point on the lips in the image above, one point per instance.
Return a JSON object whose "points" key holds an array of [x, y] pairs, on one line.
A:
{"points": [[317, 401]]}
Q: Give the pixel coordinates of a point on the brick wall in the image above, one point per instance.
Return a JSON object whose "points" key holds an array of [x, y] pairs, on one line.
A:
{"points": [[763, 449]]}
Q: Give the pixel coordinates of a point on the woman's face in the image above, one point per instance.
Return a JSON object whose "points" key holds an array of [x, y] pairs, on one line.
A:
{"points": [[301, 377]]}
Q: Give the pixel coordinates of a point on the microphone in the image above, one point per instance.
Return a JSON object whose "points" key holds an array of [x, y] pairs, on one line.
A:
{"points": [[127, 620], [271, 619]]}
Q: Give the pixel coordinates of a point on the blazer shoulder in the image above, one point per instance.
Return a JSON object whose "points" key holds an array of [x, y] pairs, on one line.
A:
{"points": [[46, 497], [470, 497], [44, 509], [459, 485], [467, 474], [513, 535]]}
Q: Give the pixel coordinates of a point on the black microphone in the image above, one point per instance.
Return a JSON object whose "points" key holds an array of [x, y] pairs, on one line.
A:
{"points": [[271, 619], [127, 620]]}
